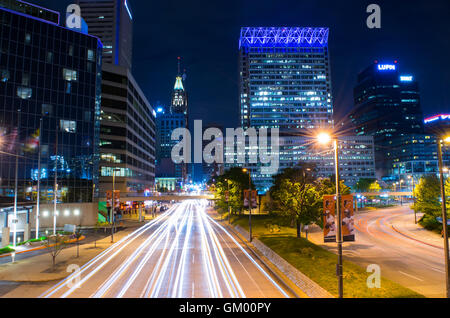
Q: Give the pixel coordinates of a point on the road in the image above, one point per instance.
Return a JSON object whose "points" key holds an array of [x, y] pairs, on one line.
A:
{"points": [[414, 261], [182, 254]]}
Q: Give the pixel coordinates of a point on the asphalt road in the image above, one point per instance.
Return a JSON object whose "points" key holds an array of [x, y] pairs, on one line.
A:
{"points": [[182, 254], [414, 263]]}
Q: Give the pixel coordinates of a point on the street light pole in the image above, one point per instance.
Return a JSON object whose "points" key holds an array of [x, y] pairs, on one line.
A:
{"points": [[16, 179], [228, 201], [444, 220], [38, 199], [339, 221], [55, 186], [113, 203], [250, 205]]}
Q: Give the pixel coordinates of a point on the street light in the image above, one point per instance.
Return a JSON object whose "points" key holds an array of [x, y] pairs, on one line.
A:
{"points": [[444, 214], [411, 177], [324, 138], [249, 203], [228, 199], [113, 203]]}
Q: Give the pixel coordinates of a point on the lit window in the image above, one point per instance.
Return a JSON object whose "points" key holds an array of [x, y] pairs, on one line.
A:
{"points": [[68, 126], [47, 109], [27, 38], [4, 75], [49, 58], [24, 92], [70, 75], [91, 55]]}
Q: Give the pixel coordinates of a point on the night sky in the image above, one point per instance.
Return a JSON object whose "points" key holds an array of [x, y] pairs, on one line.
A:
{"points": [[206, 34]]}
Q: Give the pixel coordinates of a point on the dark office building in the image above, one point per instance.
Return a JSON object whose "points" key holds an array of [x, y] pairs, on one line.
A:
{"points": [[387, 107], [128, 132], [51, 73], [167, 121], [112, 22]]}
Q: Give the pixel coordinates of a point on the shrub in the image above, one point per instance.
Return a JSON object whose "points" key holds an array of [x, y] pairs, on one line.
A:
{"points": [[430, 223], [6, 250]]}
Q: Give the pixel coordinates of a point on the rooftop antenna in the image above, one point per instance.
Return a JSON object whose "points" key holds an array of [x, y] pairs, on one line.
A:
{"points": [[179, 65]]}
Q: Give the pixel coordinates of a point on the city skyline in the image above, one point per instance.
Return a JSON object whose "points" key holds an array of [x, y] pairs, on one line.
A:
{"points": [[212, 78]]}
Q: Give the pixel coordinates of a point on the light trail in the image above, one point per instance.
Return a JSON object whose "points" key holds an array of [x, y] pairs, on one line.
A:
{"points": [[154, 261], [128, 239]]}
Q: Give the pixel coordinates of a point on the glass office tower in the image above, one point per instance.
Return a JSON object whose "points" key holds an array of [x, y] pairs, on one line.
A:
{"points": [[51, 73], [285, 78], [387, 107], [285, 83]]}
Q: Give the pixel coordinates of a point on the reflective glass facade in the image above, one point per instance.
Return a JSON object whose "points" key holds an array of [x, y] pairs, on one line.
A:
{"points": [[54, 74]]}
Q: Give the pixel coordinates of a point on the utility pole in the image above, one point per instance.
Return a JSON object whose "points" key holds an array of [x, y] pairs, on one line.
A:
{"points": [[339, 222], [19, 111], [55, 186], [38, 211], [444, 220]]}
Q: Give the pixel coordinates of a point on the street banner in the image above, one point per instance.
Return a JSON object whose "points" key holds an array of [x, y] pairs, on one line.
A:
{"points": [[227, 196], [348, 218], [254, 198], [116, 199], [329, 223]]}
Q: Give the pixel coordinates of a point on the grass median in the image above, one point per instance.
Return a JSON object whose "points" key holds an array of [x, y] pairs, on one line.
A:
{"points": [[318, 263]]}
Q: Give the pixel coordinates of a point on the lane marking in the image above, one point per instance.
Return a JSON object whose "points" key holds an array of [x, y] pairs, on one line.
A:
{"points": [[412, 276]]}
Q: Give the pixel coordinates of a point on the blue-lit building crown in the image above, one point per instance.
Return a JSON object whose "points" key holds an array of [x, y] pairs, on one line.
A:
{"points": [[283, 37]]}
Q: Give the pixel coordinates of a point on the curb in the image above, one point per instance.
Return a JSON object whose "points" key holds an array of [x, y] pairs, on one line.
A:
{"points": [[412, 238], [268, 266], [300, 280]]}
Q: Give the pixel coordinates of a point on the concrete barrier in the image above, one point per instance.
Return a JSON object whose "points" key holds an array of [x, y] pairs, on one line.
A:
{"points": [[308, 286]]}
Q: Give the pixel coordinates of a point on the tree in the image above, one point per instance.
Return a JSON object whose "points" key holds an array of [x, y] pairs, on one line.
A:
{"points": [[236, 181], [427, 194], [374, 187], [56, 243], [363, 184], [78, 235], [295, 196], [300, 201]]}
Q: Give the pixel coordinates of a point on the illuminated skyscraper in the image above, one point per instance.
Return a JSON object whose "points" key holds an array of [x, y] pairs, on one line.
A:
{"points": [[387, 107], [112, 22], [285, 78], [179, 95], [285, 83]]}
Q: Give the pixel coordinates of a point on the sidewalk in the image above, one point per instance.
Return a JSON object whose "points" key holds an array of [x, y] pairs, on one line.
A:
{"points": [[404, 225], [39, 268]]}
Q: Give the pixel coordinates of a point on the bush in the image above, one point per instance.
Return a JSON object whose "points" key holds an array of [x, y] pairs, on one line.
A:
{"points": [[430, 223], [6, 250]]}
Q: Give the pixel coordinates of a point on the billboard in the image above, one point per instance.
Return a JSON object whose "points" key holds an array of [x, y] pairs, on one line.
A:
{"points": [[347, 216], [254, 198]]}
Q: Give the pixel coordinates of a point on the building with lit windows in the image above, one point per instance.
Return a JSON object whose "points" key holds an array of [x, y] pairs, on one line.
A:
{"points": [[128, 133], [52, 74], [387, 107], [112, 22], [169, 119], [356, 157], [179, 95], [166, 122], [285, 83]]}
